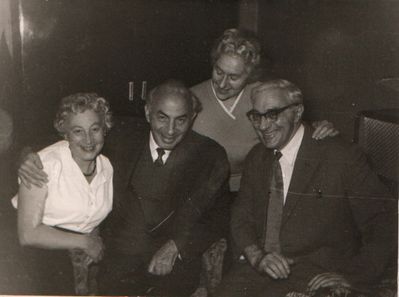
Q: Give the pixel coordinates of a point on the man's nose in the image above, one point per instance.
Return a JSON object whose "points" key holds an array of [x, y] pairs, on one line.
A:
{"points": [[171, 127], [265, 123]]}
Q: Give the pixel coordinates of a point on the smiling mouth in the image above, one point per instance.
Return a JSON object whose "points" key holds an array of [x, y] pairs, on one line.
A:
{"points": [[168, 140], [269, 135], [88, 148]]}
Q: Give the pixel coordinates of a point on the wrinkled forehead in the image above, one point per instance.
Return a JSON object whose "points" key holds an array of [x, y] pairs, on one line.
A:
{"points": [[232, 64], [269, 98], [172, 103]]}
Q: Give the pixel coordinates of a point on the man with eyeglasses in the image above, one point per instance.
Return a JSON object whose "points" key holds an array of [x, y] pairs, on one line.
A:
{"points": [[310, 215]]}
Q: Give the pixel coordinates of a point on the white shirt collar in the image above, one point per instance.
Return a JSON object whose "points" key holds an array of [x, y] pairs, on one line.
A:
{"points": [[231, 110], [153, 149], [290, 151]]}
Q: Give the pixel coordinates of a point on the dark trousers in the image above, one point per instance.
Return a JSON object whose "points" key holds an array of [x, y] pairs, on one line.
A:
{"points": [[122, 274]]}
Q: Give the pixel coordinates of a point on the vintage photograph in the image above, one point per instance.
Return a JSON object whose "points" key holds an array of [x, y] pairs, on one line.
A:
{"points": [[199, 148]]}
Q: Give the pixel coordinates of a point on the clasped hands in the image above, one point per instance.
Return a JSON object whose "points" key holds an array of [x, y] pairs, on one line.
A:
{"points": [[277, 266], [163, 260], [273, 264]]}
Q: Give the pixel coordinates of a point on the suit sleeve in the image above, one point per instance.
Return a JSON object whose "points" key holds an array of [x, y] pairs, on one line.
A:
{"points": [[243, 226], [375, 214], [191, 234]]}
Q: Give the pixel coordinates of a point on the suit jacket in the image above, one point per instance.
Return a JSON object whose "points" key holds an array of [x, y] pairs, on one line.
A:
{"points": [[198, 186], [337, 215]]}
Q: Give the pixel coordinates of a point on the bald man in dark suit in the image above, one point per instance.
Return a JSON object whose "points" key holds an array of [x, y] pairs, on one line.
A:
{"points": [[170, 184]]}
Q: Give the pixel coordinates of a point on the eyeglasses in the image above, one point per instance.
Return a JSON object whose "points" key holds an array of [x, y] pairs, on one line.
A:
{"points": [[272, 114]]}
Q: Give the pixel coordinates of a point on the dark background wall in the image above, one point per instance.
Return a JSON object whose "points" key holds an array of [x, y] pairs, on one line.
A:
{"points": [[101, 45], [336, 51]]}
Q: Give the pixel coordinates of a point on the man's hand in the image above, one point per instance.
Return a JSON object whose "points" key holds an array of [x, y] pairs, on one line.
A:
{"points": [[253, 254], [324, 129], [275, 265], [164, 259], [94, 247], [328, 279], [31, 171]]}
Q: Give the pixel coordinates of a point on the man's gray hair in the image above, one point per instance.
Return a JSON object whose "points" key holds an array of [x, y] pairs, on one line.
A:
{"points": [[294, 94]]}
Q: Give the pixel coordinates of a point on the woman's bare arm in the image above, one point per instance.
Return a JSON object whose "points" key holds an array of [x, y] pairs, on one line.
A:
{"points": [[32, 232]]}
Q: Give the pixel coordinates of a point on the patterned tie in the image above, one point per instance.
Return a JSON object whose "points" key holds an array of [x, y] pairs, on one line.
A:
{"points": [[159, 162], [275, 208]]}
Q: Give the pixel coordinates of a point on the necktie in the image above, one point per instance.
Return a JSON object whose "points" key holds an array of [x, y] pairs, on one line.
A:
{"points": [[275, 207], [159, 162]]}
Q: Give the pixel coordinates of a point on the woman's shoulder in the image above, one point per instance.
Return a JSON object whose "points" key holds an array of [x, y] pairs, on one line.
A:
{"points": [[53, 155], [201, 88], [54, 151], [106, 164]]}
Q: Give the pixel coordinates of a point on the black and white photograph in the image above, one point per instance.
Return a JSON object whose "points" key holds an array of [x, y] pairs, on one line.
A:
{"points": [[199, 148]]}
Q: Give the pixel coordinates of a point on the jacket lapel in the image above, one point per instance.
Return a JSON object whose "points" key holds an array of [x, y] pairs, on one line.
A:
{"points": [[306, 165], [266, 172], [136, 152]]}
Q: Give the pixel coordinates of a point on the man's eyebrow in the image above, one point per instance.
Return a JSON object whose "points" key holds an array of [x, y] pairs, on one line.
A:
{"points": [[75, 126], [160, 112]]}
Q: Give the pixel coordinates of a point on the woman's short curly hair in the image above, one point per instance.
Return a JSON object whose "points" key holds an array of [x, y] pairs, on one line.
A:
{"points": [[80, 102], [239, 42]]}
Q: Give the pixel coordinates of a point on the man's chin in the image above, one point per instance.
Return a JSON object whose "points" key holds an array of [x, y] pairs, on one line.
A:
{"points": [[169, 145], [270, 143]]}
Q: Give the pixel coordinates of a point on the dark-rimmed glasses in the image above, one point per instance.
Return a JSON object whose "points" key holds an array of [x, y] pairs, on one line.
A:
{"points": [[272, 114]]}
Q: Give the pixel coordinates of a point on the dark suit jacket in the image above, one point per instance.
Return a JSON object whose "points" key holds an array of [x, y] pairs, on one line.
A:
{"points": [[337, 215], [198, 186]]}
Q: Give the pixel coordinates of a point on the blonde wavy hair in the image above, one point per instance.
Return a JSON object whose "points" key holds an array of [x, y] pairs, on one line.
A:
{"points": [[80, 102], [241, 43]]}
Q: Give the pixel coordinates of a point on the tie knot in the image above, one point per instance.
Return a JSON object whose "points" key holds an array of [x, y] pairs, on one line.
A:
{"points": [[277, 154], [159, 161], [160, 152]]}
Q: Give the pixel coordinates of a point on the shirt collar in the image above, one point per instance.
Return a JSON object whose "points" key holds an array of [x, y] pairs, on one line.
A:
{"points": [[290, 151], [153, 149]]}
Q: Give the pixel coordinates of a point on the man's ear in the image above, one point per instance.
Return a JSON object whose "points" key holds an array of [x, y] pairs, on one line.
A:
{"points": [[147, 112]]}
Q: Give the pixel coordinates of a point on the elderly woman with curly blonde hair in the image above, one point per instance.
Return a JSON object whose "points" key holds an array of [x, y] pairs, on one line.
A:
{"points": [[65, 213]]}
